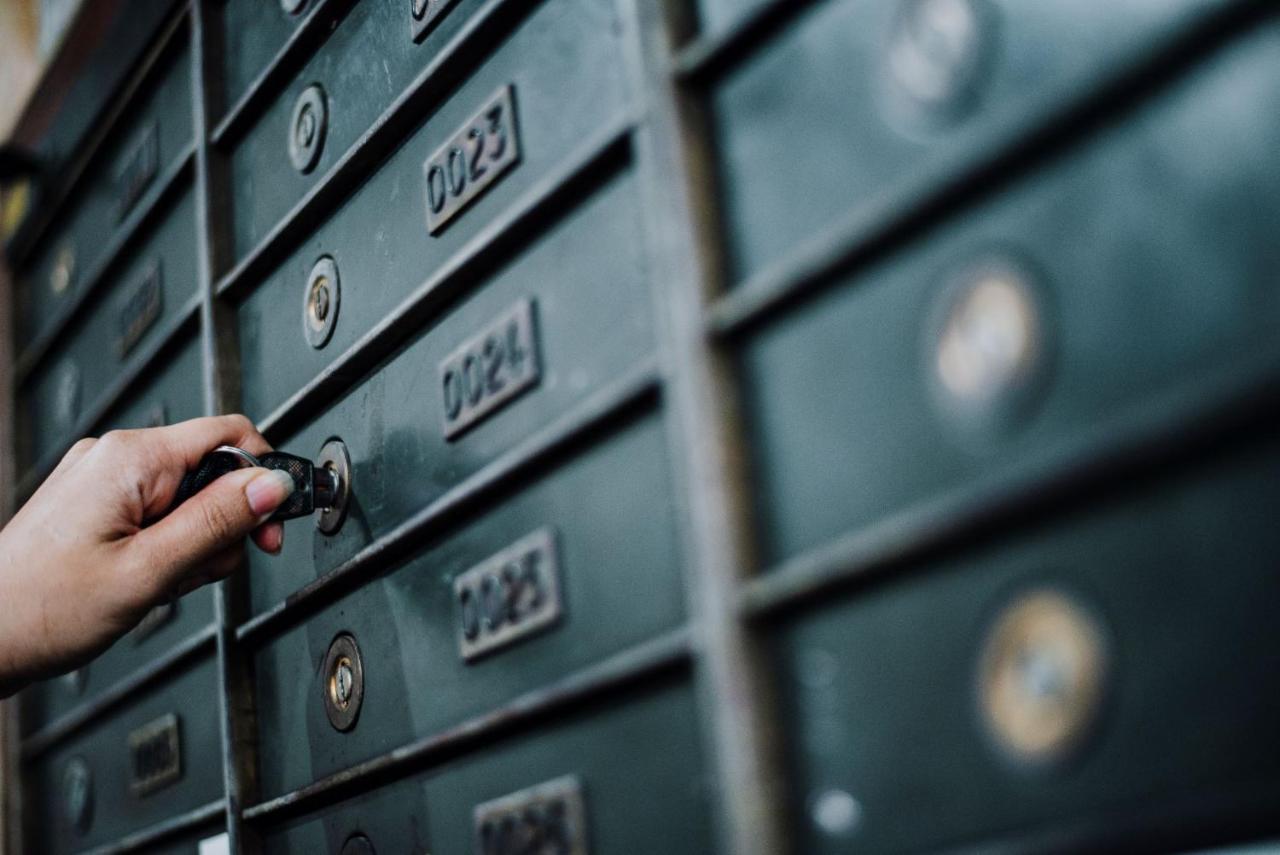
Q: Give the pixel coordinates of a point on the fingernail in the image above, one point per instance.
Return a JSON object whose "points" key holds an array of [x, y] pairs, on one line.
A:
{"points": [[268, 491]]}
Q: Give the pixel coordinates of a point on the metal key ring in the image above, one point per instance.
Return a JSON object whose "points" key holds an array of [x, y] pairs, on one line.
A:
{"points": [[238, 452]]}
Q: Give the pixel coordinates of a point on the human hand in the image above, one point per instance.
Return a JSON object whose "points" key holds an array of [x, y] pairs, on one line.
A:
{"points": [[80, 564]]}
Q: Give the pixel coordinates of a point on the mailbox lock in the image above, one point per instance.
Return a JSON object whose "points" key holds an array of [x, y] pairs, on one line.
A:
{"points": [[307, 128], [343, 682], [334, 458], [64, 269], [1042, 674], [937, 56], [321, 301], [358, 844], [77, 791], [987, 347]]}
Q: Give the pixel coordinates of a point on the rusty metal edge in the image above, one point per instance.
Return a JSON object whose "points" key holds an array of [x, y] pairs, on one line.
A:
{"points": [[220, 358], [658, 655], [735, 686]]}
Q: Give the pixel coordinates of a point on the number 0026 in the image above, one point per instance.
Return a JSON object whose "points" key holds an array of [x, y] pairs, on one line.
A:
{"points": [[477, 155]]}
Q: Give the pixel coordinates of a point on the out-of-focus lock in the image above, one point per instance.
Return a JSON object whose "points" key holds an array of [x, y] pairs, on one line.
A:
{"points": [[343, 689], [1043, 671], [937, 56], [307, 128], [77, 794], [988, 343], [358, 844]]}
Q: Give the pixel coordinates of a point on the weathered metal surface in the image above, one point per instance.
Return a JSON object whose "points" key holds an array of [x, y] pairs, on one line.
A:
{"points": [[773, 301]]}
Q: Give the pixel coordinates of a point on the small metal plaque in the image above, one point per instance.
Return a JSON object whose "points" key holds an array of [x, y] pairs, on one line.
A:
{"points": [[508, 597], [137, 169], [490, 369], [478, 154], [550, 818], [425, 14], [156, 752], [152, 621], [141, 309]]}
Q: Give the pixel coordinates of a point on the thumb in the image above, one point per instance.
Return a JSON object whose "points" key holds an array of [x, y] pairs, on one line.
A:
{"points": [[219, 516]]}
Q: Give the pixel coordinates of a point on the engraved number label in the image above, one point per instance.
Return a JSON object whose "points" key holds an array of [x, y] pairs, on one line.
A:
{"points": [[510, 596], [490, 369], [137, 170], [549, 819], [156, 752], [477, 155], [141, 309]]}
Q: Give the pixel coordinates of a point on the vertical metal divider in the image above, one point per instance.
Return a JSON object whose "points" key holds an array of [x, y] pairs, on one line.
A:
{"points": [[220, 358], [674, 163], [11, 828]]}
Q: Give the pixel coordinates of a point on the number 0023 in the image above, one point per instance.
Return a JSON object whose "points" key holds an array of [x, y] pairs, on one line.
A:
{"points": [[476, 156]]}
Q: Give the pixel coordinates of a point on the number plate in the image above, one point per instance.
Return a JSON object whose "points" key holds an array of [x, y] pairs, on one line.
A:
{"points": [[156, 752], [550, 817], [490, 369], [142, 309], [481, 152], [509, 596], [137, 170]]}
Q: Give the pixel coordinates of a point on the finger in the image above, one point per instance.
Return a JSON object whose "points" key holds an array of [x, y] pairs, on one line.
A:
{"points": [[269, 538], [220, 516], [191, 440]]}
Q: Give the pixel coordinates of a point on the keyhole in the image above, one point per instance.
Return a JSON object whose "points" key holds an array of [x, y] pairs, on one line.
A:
{"points": [[306, 128], [341, 683]]}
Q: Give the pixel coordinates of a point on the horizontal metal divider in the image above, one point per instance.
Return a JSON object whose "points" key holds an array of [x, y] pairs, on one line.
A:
{"points": [[708, 57], [380, 139], [305, 40], [664, 653], [612, 402], [172, 35], [146, 838], [532, 211], [148, 210], [70, 723], [981, 164], [1238, 814], [1151, 438], [124, 383]]}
